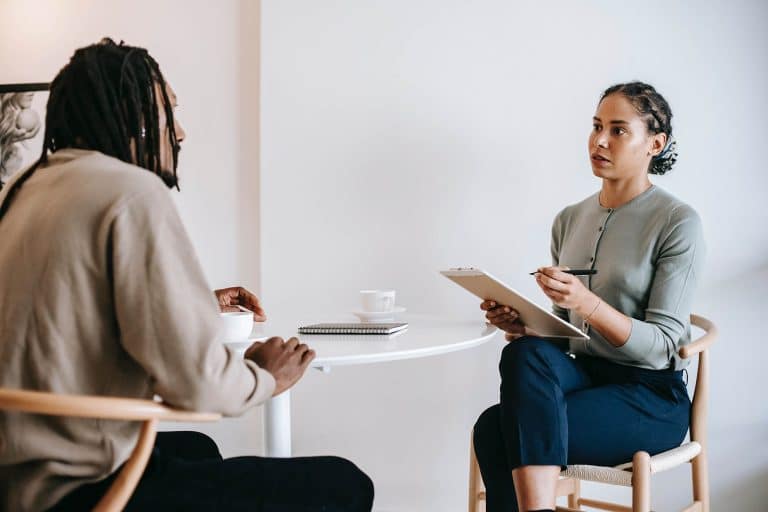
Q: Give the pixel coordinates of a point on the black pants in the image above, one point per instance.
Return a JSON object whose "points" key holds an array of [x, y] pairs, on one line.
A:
{"points": [[187, 473], [556, 410]]}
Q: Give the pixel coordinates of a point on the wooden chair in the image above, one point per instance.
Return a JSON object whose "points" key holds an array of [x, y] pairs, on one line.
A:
{"points": [[146, 411], [637, 474]]}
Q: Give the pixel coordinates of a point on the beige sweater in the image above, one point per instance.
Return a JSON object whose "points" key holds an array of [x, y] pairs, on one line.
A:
{"points": [[101, 294]]}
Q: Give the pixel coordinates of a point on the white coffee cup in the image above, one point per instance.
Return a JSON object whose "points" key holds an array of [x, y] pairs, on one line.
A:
{"points": [[377, 301], [236, 325]]}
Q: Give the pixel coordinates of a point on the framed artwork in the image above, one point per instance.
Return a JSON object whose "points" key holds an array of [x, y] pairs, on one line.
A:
{"points": [[22, 115]]}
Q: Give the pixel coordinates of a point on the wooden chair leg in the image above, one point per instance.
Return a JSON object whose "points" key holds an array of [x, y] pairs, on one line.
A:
{"points": [[120, 492], [641, 482], [700, 476], [571, 488], [476, 486], [573, 498]]}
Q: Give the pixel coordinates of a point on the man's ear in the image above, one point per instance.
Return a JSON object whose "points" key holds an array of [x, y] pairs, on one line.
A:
{"points": [[658, 141]]}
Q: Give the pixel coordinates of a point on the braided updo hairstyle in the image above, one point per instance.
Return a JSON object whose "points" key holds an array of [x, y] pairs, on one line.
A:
{"points": [[658, 119]]}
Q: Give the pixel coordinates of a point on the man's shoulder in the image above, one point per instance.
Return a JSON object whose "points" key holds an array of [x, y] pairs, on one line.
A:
{"points": [[102, 183], [113, 174]]}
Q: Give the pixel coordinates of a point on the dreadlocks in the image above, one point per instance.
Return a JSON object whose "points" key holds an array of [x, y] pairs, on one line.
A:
{"points": [[105, 99]]}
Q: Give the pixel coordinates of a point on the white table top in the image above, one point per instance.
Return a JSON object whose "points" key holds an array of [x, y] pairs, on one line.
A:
{"points": [[425, 336]]}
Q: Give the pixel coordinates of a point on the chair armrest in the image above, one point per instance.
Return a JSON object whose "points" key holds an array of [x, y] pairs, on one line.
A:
{"points": [[674, 457], [702, 343], [83, 406]]}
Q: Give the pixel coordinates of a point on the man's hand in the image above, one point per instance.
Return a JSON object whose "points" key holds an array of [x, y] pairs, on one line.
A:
{"points": [[230, 298], [505, 318], [285, 360]]}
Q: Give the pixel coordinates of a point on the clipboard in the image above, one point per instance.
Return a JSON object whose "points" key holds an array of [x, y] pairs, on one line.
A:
{"points": [[486, 287]]}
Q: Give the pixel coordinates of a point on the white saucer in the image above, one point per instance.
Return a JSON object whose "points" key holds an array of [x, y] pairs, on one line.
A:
{"points": [[257, 334], [378, 316]]}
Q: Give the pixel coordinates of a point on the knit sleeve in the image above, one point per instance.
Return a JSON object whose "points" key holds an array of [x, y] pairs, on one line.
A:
{"points": [[655, 338], [167, 315], [557, 239]]}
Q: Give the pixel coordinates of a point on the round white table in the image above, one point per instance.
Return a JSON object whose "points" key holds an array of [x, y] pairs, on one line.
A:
{"points": [[425, 336]]}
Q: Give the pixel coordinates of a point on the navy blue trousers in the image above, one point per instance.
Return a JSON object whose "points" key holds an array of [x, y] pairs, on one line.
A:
{"points": [[556, 410]]}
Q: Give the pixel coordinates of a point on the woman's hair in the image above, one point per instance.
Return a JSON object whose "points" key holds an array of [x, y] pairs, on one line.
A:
{"points": [[658, 119], [104, 99]]}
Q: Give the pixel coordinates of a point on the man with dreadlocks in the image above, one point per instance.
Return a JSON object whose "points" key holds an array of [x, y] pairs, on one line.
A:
{"points": [[101, 294]]}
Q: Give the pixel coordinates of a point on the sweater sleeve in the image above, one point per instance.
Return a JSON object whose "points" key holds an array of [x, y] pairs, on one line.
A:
{"points": [[557, 239], [167, 315], [654, 339]]}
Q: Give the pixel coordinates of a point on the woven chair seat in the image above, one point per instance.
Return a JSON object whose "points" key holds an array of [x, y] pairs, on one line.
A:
{"points": [[622, 474]]}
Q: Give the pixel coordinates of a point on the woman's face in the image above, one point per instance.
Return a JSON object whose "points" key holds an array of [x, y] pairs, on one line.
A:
{"points": [[620, 146]]}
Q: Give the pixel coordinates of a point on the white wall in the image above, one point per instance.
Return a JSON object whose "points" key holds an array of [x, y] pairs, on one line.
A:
{"points": [[198, 46], [402, 137]]}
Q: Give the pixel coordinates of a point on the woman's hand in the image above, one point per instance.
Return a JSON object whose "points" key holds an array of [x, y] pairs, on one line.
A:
{"points": [[230, 298], [565, 290], [505, 318]]}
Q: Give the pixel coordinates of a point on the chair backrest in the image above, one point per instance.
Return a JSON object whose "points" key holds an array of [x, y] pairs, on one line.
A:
{"points": [[700, 346], [79, 406]]}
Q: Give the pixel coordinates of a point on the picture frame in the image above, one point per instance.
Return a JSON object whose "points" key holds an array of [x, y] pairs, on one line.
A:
{"points": [[22, 126]]}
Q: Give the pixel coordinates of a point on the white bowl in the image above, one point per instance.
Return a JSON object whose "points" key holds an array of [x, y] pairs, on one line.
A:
{"points": [[236, 325]]}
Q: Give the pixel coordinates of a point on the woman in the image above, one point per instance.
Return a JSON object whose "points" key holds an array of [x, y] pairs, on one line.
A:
{"points": [[622, 390]]}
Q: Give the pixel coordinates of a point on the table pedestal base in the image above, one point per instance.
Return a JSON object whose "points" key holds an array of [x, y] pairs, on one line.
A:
{"points": [[277, 425]]}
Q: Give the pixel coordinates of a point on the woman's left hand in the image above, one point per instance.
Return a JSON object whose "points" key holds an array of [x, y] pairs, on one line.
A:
{"points": [[565, 290]]}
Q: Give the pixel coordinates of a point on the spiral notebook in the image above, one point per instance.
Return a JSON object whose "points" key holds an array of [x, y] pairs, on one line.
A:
{"points": [[353, 328]]}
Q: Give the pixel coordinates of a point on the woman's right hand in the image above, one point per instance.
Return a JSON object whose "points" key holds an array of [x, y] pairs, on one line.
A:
{"points": [[505, 318]]}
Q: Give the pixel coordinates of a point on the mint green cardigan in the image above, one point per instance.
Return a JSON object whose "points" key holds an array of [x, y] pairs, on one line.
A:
{"points": [[649, 254]]}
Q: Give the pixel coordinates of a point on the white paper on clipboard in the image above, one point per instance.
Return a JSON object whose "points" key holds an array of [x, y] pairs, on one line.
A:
{"points": [[486, 287]]}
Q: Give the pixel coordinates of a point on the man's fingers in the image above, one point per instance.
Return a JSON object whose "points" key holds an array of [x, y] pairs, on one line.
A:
{"points": [[307, 358], [227, 295], [229, 309], [291, 344], [300, 350], [237, 295], [250, 301], [255, 346]]}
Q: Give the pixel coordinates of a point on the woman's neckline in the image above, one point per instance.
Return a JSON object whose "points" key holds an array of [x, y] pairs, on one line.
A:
{"points": [[635, 199]]}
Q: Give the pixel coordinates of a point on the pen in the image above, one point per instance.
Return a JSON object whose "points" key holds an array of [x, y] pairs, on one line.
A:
{"points": [[577, 272]]}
